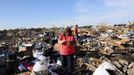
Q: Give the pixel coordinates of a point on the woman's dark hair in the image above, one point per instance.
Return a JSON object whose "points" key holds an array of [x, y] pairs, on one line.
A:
{"points": [[68, 30]]}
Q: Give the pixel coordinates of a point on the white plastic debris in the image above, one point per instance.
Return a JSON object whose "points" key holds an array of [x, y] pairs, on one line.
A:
{"points": [[42, 58], [59, 62], [41, 65], [37, 53], [102, 69]]}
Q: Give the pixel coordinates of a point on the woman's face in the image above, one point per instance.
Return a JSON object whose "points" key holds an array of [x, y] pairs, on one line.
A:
{"points": [[68, 32]]}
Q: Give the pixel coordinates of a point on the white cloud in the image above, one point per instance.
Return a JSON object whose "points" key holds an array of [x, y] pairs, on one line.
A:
{"points": [[94, 12], [111, 11], [120, 3]]}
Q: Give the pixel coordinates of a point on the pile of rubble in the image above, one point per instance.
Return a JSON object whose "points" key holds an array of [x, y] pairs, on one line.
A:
{"points": [[122, 62], [98, 51]]}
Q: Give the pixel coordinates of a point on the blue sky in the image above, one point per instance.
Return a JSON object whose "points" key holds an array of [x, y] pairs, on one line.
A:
{"points": [[48, 13]]}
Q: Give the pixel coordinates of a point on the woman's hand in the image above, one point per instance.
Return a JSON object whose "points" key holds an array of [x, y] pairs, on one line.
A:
{"points": [[67, 42], [61, 41]]}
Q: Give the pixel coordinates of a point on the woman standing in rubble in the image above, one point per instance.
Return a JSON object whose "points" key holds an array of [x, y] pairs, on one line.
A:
{"points": [[67, 49]]}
